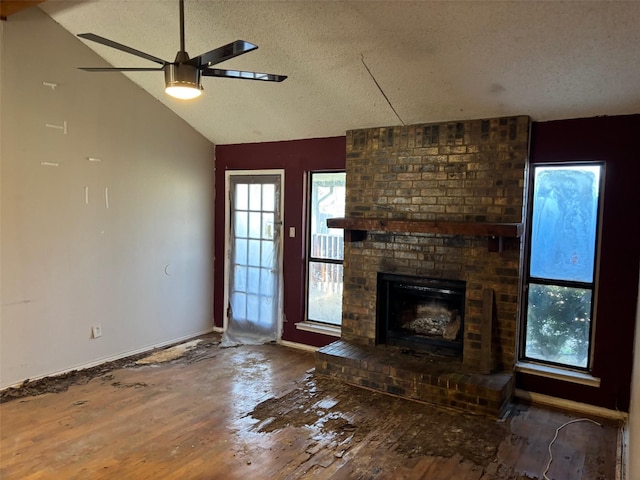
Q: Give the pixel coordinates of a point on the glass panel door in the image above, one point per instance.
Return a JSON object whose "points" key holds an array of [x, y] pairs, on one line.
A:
{"points": [[254, 272]]}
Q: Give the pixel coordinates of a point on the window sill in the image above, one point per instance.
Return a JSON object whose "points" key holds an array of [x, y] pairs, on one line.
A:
{"points": [[324, 329], [558, 374]]}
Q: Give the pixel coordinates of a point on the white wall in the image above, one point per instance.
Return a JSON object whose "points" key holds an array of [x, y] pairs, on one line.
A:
{"points": [[141, 268]]}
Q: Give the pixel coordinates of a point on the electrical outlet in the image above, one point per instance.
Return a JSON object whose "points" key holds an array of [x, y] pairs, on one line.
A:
{"points": [[97, 331]]}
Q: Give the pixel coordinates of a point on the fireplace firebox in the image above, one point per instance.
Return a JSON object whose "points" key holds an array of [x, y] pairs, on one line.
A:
{"points": [[421, 314]]}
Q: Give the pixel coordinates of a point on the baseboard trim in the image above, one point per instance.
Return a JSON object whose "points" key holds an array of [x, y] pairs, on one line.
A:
{"points": [[299, 346], [622, 454], [112, 358], [571, 405], [217, 329]]}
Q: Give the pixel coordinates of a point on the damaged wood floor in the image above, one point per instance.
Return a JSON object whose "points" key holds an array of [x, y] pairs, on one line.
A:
{"points": [[258, 412]]}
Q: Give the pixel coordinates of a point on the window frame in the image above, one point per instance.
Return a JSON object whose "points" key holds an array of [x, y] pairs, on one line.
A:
{"points": [[528, 279], [309, 258]]}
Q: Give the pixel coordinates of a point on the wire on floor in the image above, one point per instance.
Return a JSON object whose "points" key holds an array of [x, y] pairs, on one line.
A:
{"points": [[544, 474]]}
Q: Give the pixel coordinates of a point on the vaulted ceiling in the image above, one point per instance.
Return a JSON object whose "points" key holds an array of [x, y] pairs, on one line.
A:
{"points": [[433, 60]]}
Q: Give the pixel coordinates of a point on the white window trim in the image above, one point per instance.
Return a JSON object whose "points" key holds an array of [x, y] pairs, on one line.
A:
{"points": [[317, 327], [557, 373]]}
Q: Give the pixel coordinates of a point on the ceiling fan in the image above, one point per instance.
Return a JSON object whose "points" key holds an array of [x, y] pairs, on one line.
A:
{"points": [[182, 76]]}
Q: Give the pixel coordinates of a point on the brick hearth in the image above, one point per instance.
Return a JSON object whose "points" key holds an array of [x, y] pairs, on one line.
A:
{"points": [[423, 377], [468, 171]]}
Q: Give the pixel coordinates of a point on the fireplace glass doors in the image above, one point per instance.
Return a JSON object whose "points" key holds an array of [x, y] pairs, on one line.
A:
{"points": [[423, 314]]}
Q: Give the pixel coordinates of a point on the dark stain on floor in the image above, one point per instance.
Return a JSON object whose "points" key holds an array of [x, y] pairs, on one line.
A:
{"points": [[342, 410], [345, 421]]}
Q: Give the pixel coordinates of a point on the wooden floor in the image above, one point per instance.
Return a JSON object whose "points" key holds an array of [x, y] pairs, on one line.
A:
{"points": [[258, 412]]}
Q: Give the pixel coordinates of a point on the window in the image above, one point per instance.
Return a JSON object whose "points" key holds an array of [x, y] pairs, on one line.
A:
{"points": [[326, 248], [560, 276]]}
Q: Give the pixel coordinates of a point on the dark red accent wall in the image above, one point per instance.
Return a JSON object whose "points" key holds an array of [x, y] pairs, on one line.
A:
{"points": [[615, 141], [296, 157]]}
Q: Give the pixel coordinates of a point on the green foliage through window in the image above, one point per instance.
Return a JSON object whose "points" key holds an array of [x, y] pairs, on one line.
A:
{"points": [[558, 324]]}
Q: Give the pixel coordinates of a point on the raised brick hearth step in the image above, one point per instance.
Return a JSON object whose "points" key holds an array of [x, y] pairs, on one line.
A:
{"points": [[428, 378]]}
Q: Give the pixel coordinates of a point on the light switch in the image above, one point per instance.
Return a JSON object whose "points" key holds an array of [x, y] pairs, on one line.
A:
{"points": [[292, 232]]}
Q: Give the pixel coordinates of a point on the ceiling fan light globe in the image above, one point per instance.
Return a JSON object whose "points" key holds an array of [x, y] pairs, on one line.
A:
{"points": [[183, 92]]}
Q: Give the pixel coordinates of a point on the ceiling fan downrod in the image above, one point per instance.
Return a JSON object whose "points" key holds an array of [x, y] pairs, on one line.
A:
{"points": [[182, 49]]}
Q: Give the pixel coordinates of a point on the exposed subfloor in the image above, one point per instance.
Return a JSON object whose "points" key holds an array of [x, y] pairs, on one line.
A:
{"points": [[259, 412]]}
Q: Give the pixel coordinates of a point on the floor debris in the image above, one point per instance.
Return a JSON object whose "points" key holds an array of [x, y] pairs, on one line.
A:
{"points": [[169, 353], [188, 352]]}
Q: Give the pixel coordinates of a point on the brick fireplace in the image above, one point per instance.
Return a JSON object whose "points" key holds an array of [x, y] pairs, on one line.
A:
{"points": [[437, 201]]}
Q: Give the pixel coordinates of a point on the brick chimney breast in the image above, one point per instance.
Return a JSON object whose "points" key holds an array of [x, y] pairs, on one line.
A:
{"points": [[466, 171]]}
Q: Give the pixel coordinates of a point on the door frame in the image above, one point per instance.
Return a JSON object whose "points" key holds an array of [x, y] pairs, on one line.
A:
{"points": [[227, 244]]}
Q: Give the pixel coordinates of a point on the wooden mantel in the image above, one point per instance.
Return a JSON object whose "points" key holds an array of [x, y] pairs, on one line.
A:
{"points": [[356, 228]]}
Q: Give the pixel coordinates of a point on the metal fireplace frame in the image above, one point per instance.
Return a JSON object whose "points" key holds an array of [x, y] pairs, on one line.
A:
{"points": [[422, 287]]}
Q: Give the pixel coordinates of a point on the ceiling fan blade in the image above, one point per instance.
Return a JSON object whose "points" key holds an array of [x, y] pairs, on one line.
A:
{"points": [[119, 46], [266, 77], [118, 69], [221, 54]]}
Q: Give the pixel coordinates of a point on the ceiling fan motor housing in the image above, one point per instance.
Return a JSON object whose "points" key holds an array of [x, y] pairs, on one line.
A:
{"points": [[182, 75]]}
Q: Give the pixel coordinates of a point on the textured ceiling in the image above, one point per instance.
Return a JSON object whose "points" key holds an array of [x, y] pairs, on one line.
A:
{"points": [[434, 60]]}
